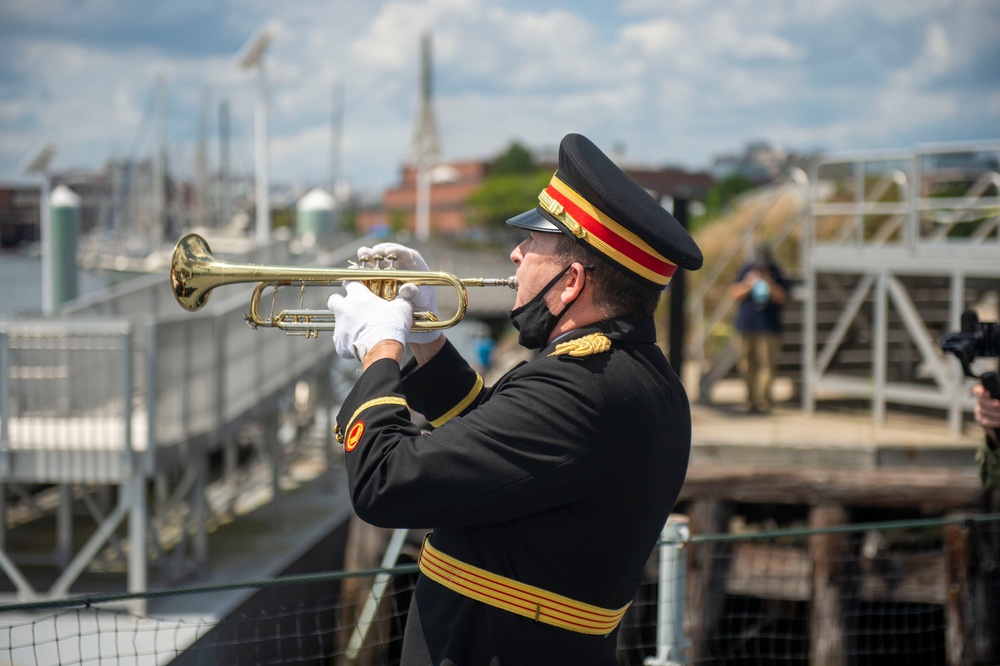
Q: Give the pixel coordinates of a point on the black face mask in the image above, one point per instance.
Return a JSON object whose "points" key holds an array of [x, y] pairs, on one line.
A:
{"points": [[534, 321]]}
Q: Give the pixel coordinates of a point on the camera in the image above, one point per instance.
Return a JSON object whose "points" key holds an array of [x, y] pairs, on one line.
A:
{"points": [[977, 338]]}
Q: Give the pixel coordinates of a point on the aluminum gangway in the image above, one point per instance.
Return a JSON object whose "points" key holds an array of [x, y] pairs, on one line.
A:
{"points": [[891, 247], [917, 242], [117, 417]]}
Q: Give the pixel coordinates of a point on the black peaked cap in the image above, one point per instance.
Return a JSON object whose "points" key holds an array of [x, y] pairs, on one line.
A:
{"points": [[597, 204]]}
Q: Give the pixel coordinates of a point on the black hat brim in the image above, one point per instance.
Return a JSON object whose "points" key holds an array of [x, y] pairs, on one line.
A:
{"points": [[533, 220]]}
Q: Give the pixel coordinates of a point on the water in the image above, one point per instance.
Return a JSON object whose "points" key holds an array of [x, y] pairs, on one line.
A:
{"points": [[21, 285]]}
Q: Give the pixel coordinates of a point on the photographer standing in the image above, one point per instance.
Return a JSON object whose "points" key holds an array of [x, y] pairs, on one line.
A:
{"points": [[987, 414], [761, 290]]}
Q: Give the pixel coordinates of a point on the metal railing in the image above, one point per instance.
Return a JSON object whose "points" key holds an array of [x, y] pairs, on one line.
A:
{"points": [[872, 224], [128, 390], [931, 212]]}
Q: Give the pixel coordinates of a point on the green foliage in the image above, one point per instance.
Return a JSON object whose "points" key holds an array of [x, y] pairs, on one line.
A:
{"points": [[719, 199], [517, 160], [283, 217], [502, 197], [397, 220], [349, 220], [511, 188], [721, 195]]}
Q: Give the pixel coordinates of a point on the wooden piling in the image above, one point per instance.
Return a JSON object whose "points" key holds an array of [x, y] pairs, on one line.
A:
{"points": [[828, 552], [707, 575], [956, 609]]}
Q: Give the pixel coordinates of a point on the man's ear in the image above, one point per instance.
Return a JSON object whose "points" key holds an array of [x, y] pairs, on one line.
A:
{"points": [[574, 286]]}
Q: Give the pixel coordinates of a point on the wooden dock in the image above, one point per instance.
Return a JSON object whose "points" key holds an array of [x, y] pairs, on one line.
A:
{"points": [[818, 472], [838, 454]]}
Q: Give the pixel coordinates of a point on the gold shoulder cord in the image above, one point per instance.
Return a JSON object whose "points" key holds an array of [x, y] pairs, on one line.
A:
{"points": [[588, 345]]}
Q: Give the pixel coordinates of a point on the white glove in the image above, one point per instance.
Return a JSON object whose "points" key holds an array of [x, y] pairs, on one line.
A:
{"points": [[407, 259], [363, 319]]}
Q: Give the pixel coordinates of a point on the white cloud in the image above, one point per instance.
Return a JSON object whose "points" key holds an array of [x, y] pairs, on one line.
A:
{"points": [[654, 38], [676, 82]]}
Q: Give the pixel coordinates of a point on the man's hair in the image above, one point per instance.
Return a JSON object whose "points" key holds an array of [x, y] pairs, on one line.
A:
{"points": [[614, 291]]}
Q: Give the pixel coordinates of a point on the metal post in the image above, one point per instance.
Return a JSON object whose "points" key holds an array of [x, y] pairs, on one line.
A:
{"points": [[368, 611], [957, 377], [810, 376], [136, 488], [64, 526], [671, 594], [138, 514], [151, 398], [45, 219], [3, 513], [858, 225], [4, 455], [880, 351], [4, 410], [677, 294], [911, 237], [131, 463], [219, 378], [201, 512]]}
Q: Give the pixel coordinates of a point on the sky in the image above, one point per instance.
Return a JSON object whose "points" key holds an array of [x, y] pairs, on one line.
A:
{"points": [[659, 82]]}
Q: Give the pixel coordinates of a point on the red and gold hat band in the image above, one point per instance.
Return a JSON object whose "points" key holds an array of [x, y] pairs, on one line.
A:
{"points": [[604, 234]]}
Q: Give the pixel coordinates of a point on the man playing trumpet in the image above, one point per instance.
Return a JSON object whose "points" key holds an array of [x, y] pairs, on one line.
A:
{"points": [[547, 491]]}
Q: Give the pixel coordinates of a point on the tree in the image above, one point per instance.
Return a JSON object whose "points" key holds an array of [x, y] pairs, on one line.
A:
{"points": [[517, 160], [721, 195], [511, 187]]}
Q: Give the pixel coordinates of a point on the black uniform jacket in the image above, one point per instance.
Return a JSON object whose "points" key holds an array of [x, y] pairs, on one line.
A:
{"points": [[560, 476]]}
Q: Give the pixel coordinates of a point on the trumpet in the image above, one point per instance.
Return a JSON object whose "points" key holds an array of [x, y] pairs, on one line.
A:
{"points": [[194, 273]]}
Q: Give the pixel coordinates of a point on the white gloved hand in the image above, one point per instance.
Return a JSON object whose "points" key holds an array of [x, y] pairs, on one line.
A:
{"points": [[363, 319], [407, 259]]}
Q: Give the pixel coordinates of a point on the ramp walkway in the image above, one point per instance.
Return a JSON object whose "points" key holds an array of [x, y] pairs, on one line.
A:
{"points": [[121, 417]]}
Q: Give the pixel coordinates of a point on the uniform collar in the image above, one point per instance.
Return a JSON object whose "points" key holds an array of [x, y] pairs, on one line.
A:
{"points": [[619, 329]]}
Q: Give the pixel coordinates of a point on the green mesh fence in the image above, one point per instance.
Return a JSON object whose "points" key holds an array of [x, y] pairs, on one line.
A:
{"points": [[905, 592]]}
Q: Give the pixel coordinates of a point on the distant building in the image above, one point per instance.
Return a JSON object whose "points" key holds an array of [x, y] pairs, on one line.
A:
{"points": [[955, 174], [759, 163], [19, 215], [452, 184], [672, 182]]}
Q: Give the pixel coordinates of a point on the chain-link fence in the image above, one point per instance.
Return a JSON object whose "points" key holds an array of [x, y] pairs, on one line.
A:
{"points": [[905, 592]]}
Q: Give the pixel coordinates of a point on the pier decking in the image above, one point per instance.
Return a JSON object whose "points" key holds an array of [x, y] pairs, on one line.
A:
{"points": [[836, 453]]}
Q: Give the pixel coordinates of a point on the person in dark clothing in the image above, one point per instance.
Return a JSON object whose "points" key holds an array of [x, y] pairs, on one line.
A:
{"points": [[547, 491], [987, 414], [761, 291]]}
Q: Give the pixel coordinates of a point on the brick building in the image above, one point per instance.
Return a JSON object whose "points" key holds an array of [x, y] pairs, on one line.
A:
{"points": [[451, 186], [452, 183]]}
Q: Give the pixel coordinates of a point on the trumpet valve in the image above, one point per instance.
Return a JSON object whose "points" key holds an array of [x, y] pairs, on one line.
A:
{"points": [[385, 289]]}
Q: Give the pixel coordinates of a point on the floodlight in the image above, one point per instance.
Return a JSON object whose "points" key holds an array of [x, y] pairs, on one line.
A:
{"points": [[252, 52], [38, 159]]}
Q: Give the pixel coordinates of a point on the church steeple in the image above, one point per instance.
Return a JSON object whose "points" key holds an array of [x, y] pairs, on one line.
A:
{"points": [[425, 137], [425, 144]]}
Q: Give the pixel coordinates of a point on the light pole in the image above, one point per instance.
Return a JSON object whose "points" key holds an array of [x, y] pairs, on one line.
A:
{"points": [[37, 163], [252, 56]]}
